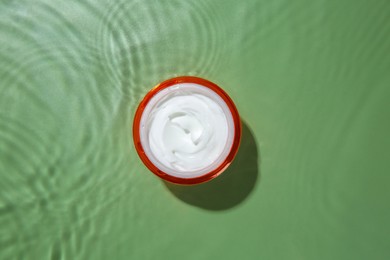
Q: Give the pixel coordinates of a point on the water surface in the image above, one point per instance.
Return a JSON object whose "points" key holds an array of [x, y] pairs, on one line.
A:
{"points": [[310, 79]]}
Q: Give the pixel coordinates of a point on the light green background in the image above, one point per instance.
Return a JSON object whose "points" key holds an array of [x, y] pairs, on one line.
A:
{"points": [[310, 79]]}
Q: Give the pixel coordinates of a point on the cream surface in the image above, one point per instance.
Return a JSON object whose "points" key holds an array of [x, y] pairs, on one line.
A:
{"points": [[187, 128]]}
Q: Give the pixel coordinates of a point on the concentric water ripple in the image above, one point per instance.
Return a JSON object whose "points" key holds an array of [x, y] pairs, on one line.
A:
{"points": [[153, 40], [310, 77], [57, 114]]}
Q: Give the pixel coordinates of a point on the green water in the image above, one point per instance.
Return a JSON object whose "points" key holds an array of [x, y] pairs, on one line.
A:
{"points": [[309, 77]]}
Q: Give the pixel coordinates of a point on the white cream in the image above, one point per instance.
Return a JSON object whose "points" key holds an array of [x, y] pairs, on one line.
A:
{"points": [[187, 130]]}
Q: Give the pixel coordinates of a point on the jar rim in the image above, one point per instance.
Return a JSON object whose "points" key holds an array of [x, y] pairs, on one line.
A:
{"points": [[209, 175]]}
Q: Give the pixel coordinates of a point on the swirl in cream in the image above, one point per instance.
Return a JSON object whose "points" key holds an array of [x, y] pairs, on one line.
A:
{"points": [[188, 129]]}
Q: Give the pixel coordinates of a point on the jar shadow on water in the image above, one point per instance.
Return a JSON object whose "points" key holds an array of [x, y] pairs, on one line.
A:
{"points": [[233, 186]]}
